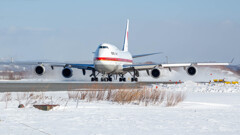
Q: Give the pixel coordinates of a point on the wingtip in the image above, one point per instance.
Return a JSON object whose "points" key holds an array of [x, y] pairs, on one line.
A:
{"points": [[158, 53], [232, 60]]}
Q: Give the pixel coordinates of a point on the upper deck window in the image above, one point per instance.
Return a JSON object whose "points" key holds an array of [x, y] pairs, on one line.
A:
{"points": [[103, 47]]}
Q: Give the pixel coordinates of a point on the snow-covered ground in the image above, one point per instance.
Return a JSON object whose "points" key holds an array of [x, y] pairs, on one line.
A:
{"points": [[207, 109]]}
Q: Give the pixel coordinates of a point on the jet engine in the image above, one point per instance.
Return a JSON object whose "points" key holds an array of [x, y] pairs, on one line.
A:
{"points": [[191, 70], [39, 70], [155, 73], [67, 72]]}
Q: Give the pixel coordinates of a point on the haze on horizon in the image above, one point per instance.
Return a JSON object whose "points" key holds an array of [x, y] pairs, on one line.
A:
{"points": [[59, 30]]}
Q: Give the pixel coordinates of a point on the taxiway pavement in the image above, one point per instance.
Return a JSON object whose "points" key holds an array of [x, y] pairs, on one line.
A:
{"points": [[67, 86]]}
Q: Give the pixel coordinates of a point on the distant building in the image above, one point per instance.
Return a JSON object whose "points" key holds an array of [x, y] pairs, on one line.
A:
{"points": [[12, 72]]}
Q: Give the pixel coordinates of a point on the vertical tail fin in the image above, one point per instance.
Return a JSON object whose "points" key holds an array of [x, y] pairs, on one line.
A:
{"points": [[125, 44]]}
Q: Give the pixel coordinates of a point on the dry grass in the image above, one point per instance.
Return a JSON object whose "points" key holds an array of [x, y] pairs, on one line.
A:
{"points": [[26, 97], [7, 97], [142, 96], [137, 96], [174, 98]]}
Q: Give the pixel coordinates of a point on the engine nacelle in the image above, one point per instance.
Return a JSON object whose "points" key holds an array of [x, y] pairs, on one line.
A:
{"points": [[39, 70], [155, 73], [191, 70], [67, 72]]}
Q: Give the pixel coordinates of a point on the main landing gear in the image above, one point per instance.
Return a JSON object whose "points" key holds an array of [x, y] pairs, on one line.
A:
{"points": [[94, 76], [134, 76], [122, 78], [134, 79], [94, 79], [106, 79], [103, 78], [109, 78]]}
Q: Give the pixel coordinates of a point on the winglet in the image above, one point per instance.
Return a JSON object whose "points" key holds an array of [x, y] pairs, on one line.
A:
{"points": [[232, 60], [125, 44]]}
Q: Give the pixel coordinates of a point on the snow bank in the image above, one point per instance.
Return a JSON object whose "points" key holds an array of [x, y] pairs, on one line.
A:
{"points": [[207, 109], [190, 86]]}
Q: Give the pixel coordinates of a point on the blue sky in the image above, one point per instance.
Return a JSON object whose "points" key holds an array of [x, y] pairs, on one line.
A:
{"points": [[61, 30]]}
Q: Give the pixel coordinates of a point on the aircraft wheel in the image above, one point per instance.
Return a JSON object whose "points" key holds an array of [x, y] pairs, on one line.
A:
{"points": [[96, 79], [120, 79], [109, 79], [92, 79], [124, 79], [134, 79]]}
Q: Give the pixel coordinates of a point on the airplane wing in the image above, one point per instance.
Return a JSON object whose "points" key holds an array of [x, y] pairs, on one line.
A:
{"points": [[139, 67], [52, 64], [192, 64], [174, 65], [142, 55], [78, 66], [151, 69], [196, 64]]}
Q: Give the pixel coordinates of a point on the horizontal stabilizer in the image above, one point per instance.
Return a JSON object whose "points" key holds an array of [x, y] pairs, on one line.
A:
{"points": [[142, 55]]}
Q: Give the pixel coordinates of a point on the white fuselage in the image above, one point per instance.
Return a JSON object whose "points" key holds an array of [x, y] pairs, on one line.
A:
{"points": [[109, 59]]}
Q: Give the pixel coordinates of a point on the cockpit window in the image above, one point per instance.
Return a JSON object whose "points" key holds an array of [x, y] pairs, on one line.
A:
{"points": [[103, 47]]}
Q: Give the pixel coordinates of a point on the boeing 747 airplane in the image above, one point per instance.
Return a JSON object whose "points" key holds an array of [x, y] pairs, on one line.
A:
{"points": [[110, 61]]}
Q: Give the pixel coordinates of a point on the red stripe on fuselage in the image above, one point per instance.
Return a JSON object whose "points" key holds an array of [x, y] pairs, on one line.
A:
{"points": [[112, 59]]}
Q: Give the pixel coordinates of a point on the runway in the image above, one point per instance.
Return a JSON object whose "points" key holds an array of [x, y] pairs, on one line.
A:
{"points": [[68, 86], [25, 86]]}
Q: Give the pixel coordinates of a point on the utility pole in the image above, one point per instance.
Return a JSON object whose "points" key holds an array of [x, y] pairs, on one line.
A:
{"points": [[11, 59]]}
